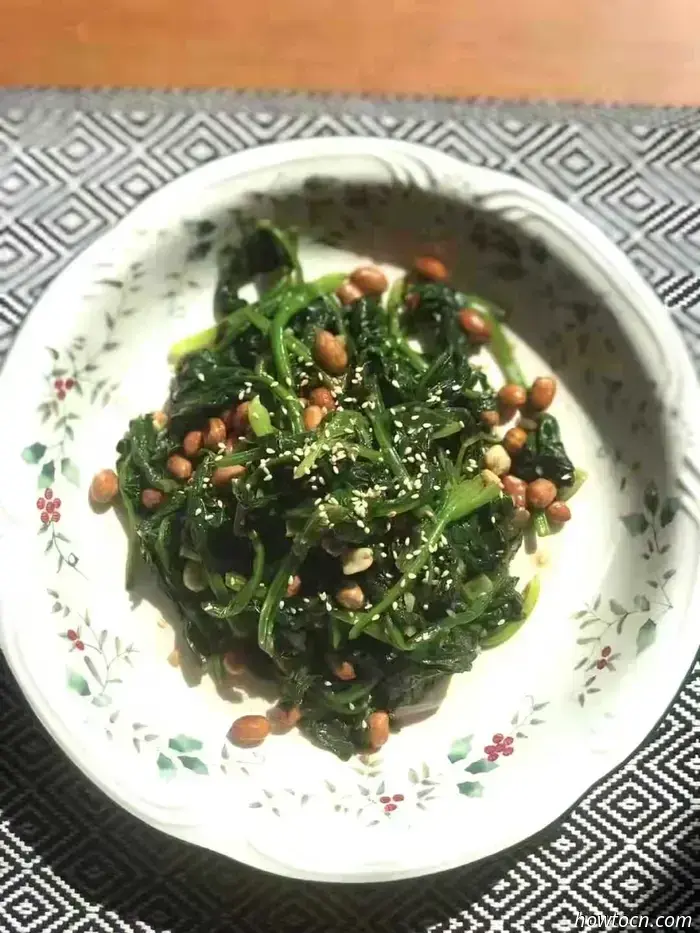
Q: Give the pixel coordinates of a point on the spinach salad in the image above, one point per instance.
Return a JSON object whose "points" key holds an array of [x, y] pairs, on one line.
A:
{"points": [[330, 507]]}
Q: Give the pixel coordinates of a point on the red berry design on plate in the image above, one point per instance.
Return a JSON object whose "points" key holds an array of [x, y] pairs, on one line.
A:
{"points": [[41, 503], [50, 506], [57, 503], [72, 634], [389, 808], [70, 383], [502, 745], [48, 493], [385, 799], [606, 651], [45, 517], [80, 645], [56, 517], [397, 798], [58, 385], [601, 664]]}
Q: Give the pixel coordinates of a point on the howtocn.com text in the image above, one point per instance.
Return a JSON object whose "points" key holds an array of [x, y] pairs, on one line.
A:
{"points": [[637, 922]]}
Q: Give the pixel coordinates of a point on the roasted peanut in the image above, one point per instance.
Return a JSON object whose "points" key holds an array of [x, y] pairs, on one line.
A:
{"points": [[378, 724], [475, 325], [192, 443], [160, 420], [512, 395], [542, 392], [506, 414], [369, 279], [282, 719], [348, 293], [312, 417], [516, 489], [223, 475], [558, 512], [293, 585], [514, 440], [237, 420], [541, 493], [214, 433], [428, 267], [330, 353], [249, 731], [351, 596], [490, 418], [180, 467], [497, 459], [104, 487], [356, 560], [344, 670], [151, 498], [322, 397]]}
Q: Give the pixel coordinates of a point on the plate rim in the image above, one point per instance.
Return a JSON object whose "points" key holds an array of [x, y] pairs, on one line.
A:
{"points": [[591, 240]]}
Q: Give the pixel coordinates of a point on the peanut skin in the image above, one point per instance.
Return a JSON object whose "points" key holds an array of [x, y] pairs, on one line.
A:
{"points": [[249, 731], [430, 268], [330, 353], [323, 398], [370, 280], [378, 724], [542, 392], [104, 487]]}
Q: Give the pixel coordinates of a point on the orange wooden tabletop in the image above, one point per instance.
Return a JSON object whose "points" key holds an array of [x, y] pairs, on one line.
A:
{"points": [[641, 51]]}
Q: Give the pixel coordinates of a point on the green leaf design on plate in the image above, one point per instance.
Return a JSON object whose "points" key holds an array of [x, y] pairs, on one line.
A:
{"points": [[460, 748], [47, 475], [651, 498], [198, 251], [204, 228], [642, 603], [471, 788], [668, 510], [481, 766], [34, 453], [78, 683], [166, 767], [184, 743], [636, 523], [646, 635], [617, 608], [102, 700], [70, 471], [194, 764]]}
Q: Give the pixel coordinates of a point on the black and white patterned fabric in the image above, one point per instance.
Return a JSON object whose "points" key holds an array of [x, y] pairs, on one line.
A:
{"points": [[72, 164]]}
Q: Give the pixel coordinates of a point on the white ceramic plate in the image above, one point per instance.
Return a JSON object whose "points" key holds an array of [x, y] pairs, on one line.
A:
{"points": [[516, 741]]}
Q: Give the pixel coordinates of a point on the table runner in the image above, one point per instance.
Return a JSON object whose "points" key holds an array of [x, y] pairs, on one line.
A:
{"points": [[72, 164]]}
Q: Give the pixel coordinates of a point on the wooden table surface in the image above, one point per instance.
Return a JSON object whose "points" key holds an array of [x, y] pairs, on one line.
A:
{"points": [[643, 51]]}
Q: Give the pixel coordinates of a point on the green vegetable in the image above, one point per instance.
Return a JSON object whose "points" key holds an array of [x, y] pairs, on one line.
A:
{"points": [[544, 455], [394, 469], [566, 492]]}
